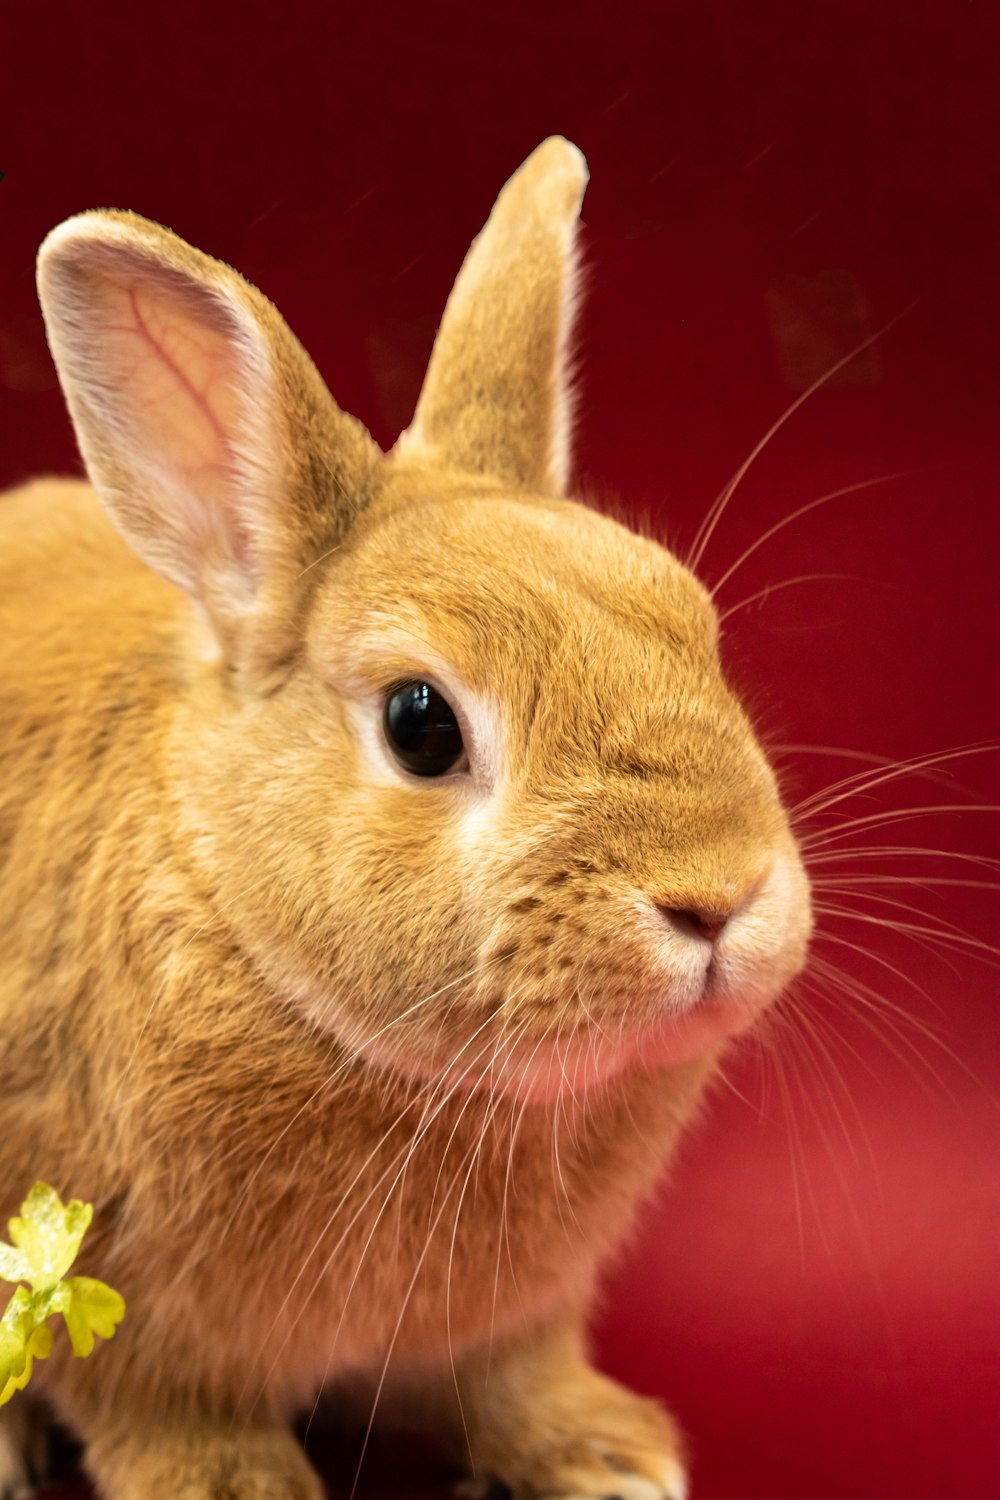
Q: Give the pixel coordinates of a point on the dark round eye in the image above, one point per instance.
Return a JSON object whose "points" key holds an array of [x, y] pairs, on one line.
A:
{"points": [[421, 730]]}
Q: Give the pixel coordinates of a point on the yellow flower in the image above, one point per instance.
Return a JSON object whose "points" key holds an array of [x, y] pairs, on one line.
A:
{"points": [[45, 1241]]}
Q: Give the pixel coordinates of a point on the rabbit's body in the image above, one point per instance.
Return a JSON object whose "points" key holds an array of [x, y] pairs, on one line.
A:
{"points": [[363, 1068], [175, 1051]]}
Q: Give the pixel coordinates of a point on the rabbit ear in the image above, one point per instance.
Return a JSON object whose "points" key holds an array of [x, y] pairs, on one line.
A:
{"points": [[205, 427], [495, 399]]}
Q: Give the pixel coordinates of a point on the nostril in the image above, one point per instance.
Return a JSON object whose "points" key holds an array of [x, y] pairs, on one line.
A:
{"points": [[693, 923]]}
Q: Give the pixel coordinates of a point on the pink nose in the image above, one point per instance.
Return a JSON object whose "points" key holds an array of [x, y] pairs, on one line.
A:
{"points": [[692, 922]]}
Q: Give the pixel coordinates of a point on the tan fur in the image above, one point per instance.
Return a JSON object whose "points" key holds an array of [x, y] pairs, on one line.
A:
{"points": [[363, 1073]]}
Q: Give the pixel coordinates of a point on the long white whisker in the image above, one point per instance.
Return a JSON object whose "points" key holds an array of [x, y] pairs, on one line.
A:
{"points": [[850, 854], [704, 534], [416, 1273], [803, 510], [875, 1005], [940, 926], [488, 1117], [408, 1148], [503, 1239], [862, 782], [889, 815], [787, 583], [351, 1060]]}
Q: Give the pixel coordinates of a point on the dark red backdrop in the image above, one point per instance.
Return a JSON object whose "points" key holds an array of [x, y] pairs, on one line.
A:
{"points": [[819, 1293]]}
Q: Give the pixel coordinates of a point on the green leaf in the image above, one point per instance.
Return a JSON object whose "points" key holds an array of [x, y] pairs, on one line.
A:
{"points": [[90, 1308], [48, 1235]]}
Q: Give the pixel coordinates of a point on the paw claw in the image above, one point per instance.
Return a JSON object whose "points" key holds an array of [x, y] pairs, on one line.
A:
{"points": [[671, 1485]]}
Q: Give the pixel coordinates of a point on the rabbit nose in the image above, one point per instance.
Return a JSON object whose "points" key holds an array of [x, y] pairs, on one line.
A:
{"points": [[696, 922]]}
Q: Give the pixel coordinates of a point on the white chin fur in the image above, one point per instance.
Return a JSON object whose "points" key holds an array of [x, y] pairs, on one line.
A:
{"points": [[550, 1071], [539, 1068]]}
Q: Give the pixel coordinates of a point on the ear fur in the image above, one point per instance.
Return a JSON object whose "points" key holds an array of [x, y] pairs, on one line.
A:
{"points": [[206, 429], [495, 400]]}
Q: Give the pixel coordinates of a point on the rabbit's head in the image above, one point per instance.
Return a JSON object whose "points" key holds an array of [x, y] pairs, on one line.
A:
{"points": [[454, 755]]}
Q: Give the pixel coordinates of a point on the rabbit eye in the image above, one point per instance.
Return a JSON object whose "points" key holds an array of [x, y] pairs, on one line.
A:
{"points": [[421, 730]]}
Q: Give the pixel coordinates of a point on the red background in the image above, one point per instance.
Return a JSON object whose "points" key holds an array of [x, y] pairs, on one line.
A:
{"points": [[819, 1291]]}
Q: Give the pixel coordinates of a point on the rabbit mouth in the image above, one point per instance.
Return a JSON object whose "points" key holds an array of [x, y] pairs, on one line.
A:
{"points": [[590, 1055], [535, 1057], [556, 1046]]}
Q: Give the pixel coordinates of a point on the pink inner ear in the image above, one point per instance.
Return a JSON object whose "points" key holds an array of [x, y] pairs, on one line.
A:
{"points": [[176, 371]]}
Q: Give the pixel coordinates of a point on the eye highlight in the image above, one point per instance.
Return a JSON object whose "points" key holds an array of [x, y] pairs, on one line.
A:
{"points": [[421, 729]]}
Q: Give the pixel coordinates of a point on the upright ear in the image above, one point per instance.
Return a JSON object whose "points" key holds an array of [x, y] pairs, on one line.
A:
{"points": [[206, 429], [496, 400]]}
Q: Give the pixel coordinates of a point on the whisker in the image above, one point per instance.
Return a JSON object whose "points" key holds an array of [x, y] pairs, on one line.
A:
{"points": [[517, 1113], [410, 1287], [874, 1008], [864, 781], [824, 935], [704, 533], [803, 510], [946, 928], [897, 1019], [848, 884], [787, 583], [824, 1068], [951, 935], [806, 1014], [351, 1060], [557, 1163], [431, 1089], [780, 1062], [487, 1122], [889, 815], [899, 851], [395, 1189]]}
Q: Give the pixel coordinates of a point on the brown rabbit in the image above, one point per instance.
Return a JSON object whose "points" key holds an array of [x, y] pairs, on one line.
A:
{"points": [[383, 862]]}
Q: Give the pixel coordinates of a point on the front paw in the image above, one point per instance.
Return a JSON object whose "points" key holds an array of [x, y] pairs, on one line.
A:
{"points": [[599, 1475], [201, 1463], [596, 1481], [587, 1439]]}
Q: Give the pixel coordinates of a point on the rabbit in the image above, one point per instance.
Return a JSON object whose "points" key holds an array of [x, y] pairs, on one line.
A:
{"points": [[385, 864]]}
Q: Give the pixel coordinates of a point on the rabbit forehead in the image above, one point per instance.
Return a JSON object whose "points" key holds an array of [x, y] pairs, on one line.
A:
{"points": [[481, 579]]}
